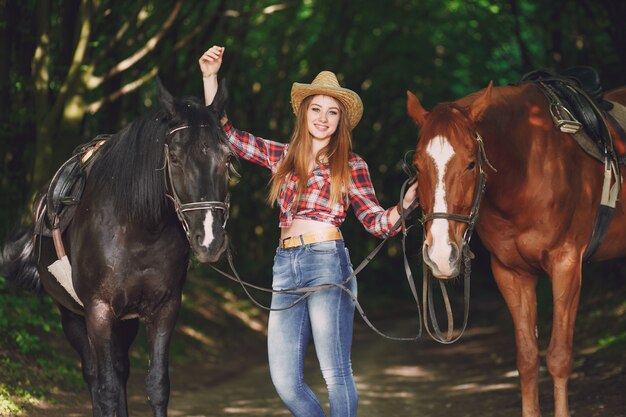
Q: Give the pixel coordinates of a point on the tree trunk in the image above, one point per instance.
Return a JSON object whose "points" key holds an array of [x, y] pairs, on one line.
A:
{"points": [[5, 51], [63, 117], [41, 76]]}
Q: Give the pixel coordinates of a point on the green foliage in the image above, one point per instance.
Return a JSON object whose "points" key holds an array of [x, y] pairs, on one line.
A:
{"points": [[29, 368], [614, 341], [23, 317], [8, 405]]}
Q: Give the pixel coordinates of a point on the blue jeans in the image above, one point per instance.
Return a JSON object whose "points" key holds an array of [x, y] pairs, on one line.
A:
{"points": [[326, 315]]}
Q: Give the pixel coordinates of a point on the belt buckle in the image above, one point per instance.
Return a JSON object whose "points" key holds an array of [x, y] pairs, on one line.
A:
{"points": [[294, 241]]}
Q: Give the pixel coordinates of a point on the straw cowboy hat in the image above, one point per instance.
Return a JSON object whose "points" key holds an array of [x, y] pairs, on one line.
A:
{"points": [[326, 83]]}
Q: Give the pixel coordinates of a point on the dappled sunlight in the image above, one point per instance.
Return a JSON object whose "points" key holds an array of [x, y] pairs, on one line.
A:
{"points": [[74, 110], [475, 387], [206, 313], [383, 390], [193, 333], [251, 411], [588, 350], [391, 394], [408, 372], [234, 310], [536, 118], [253, 408], [232, 306]]}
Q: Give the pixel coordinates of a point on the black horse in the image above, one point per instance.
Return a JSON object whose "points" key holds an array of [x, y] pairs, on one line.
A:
{"points": [[155, 189]]}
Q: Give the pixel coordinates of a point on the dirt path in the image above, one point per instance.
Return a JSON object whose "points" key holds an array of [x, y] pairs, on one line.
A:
{"points": [[472, 378]]}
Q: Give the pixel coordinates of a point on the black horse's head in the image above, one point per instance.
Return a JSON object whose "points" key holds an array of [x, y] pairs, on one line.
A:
{"points": [[173, 161], [197, 165]]}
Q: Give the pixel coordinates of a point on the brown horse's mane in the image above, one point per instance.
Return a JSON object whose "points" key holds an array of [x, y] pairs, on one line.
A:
{"points": [[447, 119]]}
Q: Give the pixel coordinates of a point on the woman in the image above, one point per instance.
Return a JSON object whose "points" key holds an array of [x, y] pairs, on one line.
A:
{"points": [[315, 178]]}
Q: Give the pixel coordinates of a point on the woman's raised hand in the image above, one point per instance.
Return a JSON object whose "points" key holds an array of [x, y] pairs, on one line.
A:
{"points": [[211, 60]]}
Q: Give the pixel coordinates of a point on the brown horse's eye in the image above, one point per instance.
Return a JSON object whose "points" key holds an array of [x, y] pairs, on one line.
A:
{"points": [[471, 166]]}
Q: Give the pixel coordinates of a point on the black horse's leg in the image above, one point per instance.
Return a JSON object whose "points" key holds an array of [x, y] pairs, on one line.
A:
{"points": [[76, 333], [125, 332], [159, 328], [100, 324]]}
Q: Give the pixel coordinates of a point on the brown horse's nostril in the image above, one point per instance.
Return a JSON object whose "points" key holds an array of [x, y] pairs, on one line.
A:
{"points": [[455, 253], [426, 256]]}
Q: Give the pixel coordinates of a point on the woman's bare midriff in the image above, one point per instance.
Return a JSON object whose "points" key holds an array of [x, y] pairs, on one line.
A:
{"points": [[302, 226]]}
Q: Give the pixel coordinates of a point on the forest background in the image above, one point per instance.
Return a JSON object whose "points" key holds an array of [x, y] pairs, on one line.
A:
{"points": [[73, 69]]}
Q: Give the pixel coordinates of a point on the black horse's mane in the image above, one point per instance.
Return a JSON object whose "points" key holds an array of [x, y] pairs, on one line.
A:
{"points": [[130, 167]]}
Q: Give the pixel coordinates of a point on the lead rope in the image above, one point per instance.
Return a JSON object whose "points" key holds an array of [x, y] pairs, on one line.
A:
{"points": [[307, 291], [427, 296]]}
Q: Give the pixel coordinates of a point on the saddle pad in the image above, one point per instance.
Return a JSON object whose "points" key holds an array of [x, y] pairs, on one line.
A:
{"points": [[618, 112], [589, 145]]}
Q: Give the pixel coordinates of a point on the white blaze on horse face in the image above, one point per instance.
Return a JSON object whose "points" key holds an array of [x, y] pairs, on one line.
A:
{"points": [[440, 150], [208, 229]]}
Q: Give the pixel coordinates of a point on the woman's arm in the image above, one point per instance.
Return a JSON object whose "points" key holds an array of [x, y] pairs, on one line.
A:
{"points": [[409, 198], [210, 63], [367, 209]]}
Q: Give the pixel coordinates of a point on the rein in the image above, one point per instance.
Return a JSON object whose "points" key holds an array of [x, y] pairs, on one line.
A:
{"points": [[305, 292], [180, 207], [471, 219]]}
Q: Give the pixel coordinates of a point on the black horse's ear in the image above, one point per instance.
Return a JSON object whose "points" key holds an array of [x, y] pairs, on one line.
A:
{"points": [[164, 96], [221, 97]]}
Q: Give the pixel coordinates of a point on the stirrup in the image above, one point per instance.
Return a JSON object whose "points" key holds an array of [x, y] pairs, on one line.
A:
{"points": [[563, 119]]}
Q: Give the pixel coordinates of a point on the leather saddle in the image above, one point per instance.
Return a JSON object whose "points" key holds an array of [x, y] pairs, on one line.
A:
{"points": [[55, 207], [578, 95]]}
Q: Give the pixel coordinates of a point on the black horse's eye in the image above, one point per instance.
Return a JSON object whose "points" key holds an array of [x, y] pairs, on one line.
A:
{"points": [[173, 158], [471, 166]]}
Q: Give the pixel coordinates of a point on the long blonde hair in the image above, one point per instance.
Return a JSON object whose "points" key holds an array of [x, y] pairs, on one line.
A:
{"points": [[335, 154]]}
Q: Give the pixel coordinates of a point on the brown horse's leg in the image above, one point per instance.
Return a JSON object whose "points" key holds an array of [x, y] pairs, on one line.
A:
{"points": [[518, 289], [159, 328], [99, 317], [566, 283]]}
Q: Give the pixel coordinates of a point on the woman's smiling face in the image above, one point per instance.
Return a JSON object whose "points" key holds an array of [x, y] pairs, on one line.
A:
{"points": [[323, 116]]}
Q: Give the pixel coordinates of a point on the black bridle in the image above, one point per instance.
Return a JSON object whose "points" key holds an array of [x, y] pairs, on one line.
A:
{"points": [[471, 219], [180, 207]]}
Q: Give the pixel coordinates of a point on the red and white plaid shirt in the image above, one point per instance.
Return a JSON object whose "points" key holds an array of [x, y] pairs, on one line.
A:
{"points": [[315, 203]]}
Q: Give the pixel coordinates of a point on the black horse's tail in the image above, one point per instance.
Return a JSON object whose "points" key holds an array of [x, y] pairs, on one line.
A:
{"points": [[17, 259]]}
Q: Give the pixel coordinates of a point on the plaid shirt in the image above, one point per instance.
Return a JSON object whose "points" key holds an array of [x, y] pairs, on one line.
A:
{"points": [[314, 203]]}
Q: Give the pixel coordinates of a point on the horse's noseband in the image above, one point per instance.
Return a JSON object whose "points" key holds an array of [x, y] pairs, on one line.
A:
{"points": [[180, 207]]}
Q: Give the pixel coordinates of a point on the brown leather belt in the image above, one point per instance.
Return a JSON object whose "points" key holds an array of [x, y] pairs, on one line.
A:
{"points": [[308, 238]]}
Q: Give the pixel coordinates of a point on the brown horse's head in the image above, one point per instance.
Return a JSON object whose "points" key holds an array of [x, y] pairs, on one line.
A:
{"points": [[448, 161]]}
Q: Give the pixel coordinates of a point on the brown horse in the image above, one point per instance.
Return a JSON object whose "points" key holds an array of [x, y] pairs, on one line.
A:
{"points": [[536, 215]]}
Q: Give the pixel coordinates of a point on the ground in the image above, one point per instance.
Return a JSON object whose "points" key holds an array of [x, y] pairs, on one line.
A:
{"points": [[475, 377]]}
